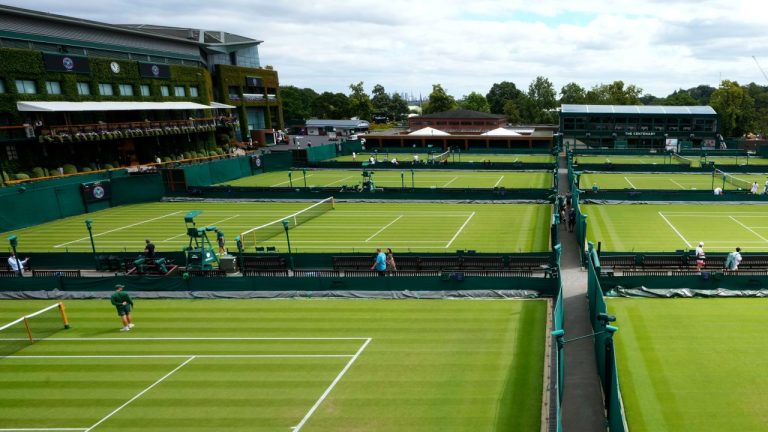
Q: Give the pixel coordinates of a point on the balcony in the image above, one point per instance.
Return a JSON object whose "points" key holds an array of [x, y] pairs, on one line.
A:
{"points": [[122, 130]]}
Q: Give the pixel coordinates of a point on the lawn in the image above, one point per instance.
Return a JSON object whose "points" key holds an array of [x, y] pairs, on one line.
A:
{"points": [[671, 181], [692, 364], [669, 227], [407, 158], [313, 365], [661, 159], [404, 178], [350, 227]]}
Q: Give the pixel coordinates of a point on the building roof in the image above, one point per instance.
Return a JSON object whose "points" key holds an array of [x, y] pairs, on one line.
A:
{"points": [[636, 109], [202, 37], [462, 113], [45, 106], [428, 131], [348, 124]]}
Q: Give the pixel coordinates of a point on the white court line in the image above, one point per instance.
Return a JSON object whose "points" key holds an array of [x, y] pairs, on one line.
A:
{"points": [[450, 181], [156, 356], [497, 183], [140, 394], [214, 223], [118, 229], [385, 227], [675, 230], [40, 429], [678, 184], [460, 230], [337, 181], [330, 387], [749, 229], [291, 180], [630, 183], [189, 339]]}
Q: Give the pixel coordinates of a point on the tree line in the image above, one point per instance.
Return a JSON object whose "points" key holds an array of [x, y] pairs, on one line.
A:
{"points": [[742, 109]]}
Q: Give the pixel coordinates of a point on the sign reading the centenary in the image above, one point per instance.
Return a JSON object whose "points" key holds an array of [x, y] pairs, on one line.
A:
{"points": [[66, 63], [154, 70]]}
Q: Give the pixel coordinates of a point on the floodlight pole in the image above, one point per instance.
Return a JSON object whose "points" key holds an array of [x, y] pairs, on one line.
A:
{"points": [[14, 242], [288, 239]]}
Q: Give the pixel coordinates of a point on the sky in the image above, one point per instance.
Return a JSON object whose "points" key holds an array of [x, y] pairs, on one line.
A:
{"points": [[407, 46]]}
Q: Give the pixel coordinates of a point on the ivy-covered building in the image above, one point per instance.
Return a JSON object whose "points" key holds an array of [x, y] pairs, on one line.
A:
{"points": [[86, 95]]}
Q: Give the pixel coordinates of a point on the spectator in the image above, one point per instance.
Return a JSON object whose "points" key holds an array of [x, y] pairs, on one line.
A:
{"points": [[149, 249], [16, 265], [391, 265], [220, 241], [380, 264], [571, 219], [700, 257]]}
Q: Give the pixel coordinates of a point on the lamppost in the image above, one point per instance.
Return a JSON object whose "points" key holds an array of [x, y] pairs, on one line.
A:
{"points": [[288, 239], [14, 242], [88, 224]]}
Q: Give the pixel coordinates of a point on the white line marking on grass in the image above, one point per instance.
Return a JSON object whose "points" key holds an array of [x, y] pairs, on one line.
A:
{"points": [[630, 183], [337, 181], [497, 183], [330, 387], [156, 356], [214, 223], [41, 429], [118, 229], [292, 180], [678, 184], [748, 229], [189, 339], [675, 230], [140, 394], [461, 228], [385, 227], [450, 181]]}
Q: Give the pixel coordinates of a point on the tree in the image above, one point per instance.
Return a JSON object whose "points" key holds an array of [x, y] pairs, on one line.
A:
{"points": [[438, 101], [512, 112], [573, 93], [381, 102], [331, 106], [475, 102], [359, 103], [702, 94], [760, 95], [735, 107], [614, 94], [543, 100], [297, 104], [398, 107], [500, 94], [679, 98], [649, 99]]}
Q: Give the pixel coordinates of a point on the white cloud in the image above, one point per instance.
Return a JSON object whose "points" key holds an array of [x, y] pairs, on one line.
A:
{"points": [[407, 46]]}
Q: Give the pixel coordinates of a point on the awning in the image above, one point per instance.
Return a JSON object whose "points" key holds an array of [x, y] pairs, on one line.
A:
{"points": [[428, 131], [221, 105], [106, 106]]}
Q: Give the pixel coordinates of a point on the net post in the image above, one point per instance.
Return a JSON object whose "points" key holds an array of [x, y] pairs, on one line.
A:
{"points": [[333, 203], [63, 312], [29, 330]]}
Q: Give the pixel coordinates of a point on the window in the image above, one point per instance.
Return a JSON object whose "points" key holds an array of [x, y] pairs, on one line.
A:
{"points": [[165, 91], [194, 92], [106, 90], [53, 87], [144, 88], [26, 86], [2, 86], [83, 88], [10, 151], [126, 90], [179, 91]]}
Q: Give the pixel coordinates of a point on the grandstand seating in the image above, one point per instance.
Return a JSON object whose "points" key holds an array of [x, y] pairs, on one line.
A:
{"points": [[264, 263], [56, 273]]}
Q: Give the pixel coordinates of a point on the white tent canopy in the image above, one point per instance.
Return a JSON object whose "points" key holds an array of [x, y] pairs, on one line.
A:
{"points": [[221, 105], [501, 132], [428, 131], [107, 106]]}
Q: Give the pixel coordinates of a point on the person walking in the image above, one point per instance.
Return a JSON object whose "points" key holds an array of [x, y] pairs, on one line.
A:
{"points": [[391, 265], [755, 186], [149, 249], [17, 265], [700, 257], [733, 260], [571, 219], [220, 241], [123, 303], [380, 264]]}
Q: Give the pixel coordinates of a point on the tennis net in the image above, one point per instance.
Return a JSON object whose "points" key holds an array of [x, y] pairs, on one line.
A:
{"points": [[255, 236], [441, 157], [735, 181], [681, 160], [38, 325]]}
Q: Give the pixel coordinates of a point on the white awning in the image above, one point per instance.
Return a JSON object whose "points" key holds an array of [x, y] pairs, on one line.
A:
{"points": [[501, 132], [428, 131], [106, 106], [218, 105]]}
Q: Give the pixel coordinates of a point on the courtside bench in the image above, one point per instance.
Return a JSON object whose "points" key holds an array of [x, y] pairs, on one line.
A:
{"points": [[56, 273], [528, 262], [754, 262], [353, 262], [440, 263], [618, 261], [663, 261], [483, 263], [264, 263]]}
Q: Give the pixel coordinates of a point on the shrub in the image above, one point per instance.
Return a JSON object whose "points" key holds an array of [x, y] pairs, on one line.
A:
{"points": [[69, 169], [54, 172], [107, 166], [167, 159], [85, 169], [5, 176], [21, 176], [37, 172], [187, 155]]}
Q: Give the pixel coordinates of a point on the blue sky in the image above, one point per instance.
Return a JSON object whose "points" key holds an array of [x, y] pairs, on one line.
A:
{"points": [[407, 46]]}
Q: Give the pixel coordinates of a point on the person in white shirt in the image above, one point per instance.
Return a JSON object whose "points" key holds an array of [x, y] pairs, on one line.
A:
{"points": [[700, 257], [16, 264], [765, 189], [733, 260], [755, 186]]}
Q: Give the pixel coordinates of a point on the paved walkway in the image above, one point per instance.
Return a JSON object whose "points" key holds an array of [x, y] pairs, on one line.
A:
{"points": [[582, 407]]}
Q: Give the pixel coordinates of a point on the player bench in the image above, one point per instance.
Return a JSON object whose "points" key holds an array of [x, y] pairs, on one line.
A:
{"points": [[528, 262], [483, 263], [663, 261], [264, 263], [56, 273]]}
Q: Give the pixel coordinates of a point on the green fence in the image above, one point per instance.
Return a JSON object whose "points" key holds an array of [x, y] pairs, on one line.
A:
{"points": [[558, 331], [217, 171], [321, 153], [276, 161]]}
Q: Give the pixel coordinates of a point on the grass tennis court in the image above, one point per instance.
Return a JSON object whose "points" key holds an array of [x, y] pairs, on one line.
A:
{"points": [[669, 227], [661, 159], [692, 364], [351, 227], [407, 158], [671, 181], [397, 178], [309, 365]]}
